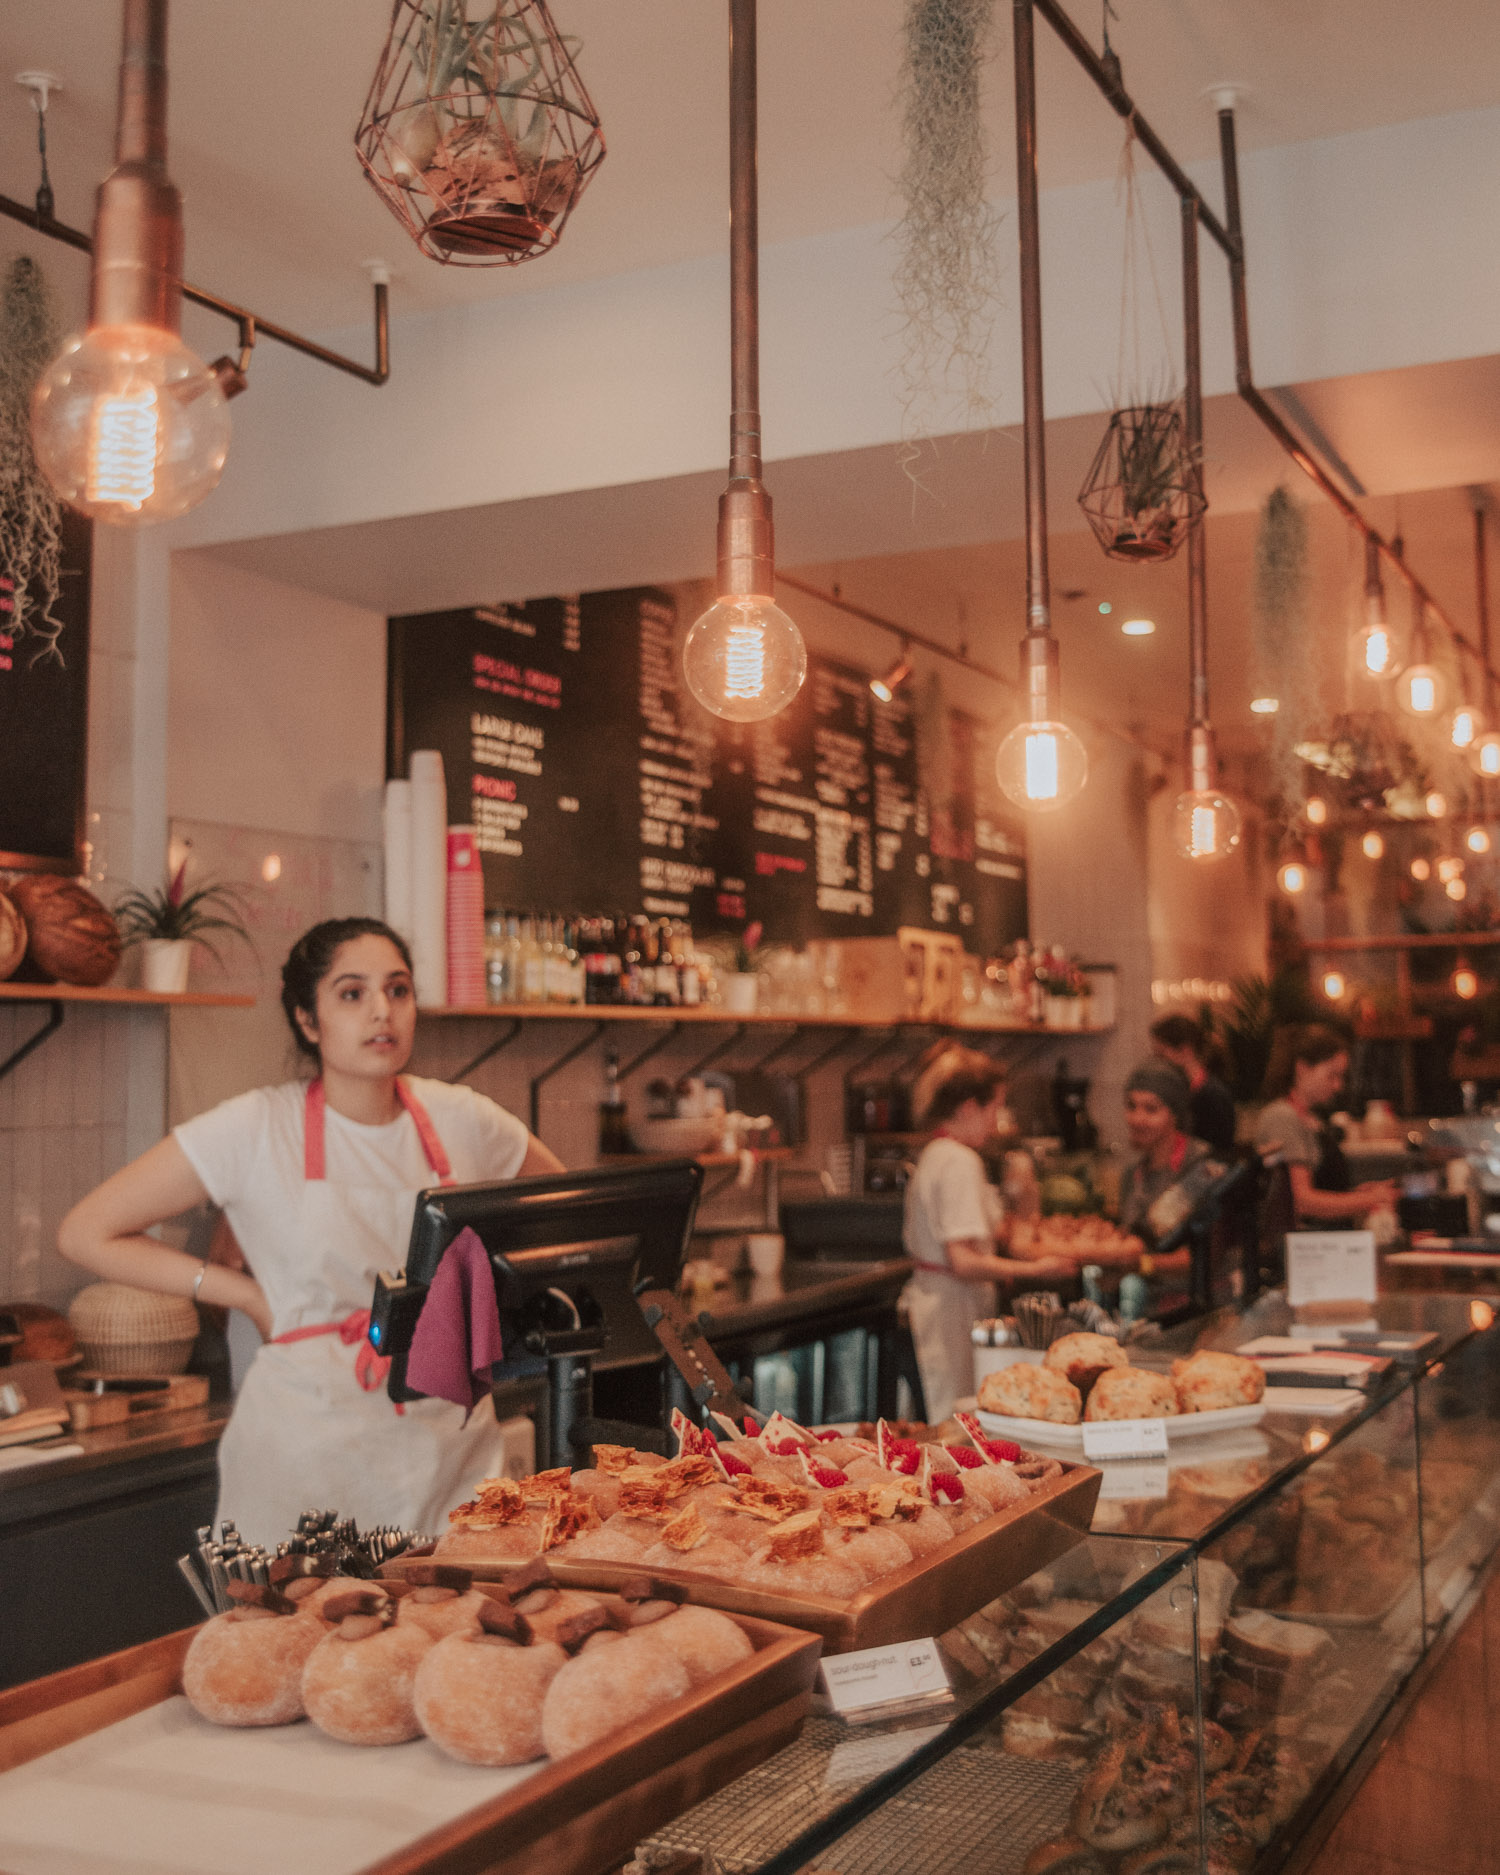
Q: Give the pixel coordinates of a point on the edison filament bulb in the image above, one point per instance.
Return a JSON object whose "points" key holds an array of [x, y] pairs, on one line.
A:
{"points": [[1457, 889], [744, 659], [1421, 690], [1436, 804], [1377, 650], [1477, 840], [1484, 756], [129, 425], [1449, 868], [1042, 765], [1372, 845], [1333, 984], [1316, 809], [1421, 869], [1205, 824], [1465, 983], [1466, 726], [1292, 877]]}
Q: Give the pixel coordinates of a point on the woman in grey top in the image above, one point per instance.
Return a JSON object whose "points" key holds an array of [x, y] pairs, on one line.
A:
{"points": [[1308, 1065]]}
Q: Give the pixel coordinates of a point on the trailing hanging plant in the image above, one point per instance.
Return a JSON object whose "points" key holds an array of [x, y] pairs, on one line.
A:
{"points": [[947, 276], [1284, 667], [30, 514]]}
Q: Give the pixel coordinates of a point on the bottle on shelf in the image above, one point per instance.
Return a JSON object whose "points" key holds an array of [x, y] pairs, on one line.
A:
{"points": [[496, 989], [614, 1121], [533, 985]]}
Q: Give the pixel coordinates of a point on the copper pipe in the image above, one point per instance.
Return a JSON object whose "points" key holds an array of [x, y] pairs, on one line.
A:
{"points": [[1034, 664], [137, 272], [746, 546], [1482, 586], [1192, 412]]}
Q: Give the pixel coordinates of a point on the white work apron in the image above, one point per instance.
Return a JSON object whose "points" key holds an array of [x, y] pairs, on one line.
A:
{"points": [[941, 1310], [313, 1427]]}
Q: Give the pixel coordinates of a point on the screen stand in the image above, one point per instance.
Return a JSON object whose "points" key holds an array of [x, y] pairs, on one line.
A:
{"points": [[568, 1399]]}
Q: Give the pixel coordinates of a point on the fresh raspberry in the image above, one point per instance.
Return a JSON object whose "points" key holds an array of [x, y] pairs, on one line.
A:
{"points": [[752, 1431], [904, 1462], [785, 1448], [710, 1443], [827, 1435], [904, 1447], [828, 1476], [1003, 1449], [734, 1464], [964, 1456], [946, 1484]]}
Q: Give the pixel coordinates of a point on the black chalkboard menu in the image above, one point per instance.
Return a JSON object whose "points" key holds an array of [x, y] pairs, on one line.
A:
{"points": [[44, 694], [597, 784]]}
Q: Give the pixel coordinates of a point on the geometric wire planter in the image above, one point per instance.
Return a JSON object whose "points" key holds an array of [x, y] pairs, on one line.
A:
{"points": [[478, 133], [1143, 493]]}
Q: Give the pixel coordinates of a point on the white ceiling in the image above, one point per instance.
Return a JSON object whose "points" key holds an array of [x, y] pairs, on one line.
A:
{"points": [[266, 96]]}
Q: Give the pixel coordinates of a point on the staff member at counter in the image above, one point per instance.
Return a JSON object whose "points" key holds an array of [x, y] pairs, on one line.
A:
{"points": [[1163, 1184], [1211, 1115], [318, 1182], [952, 1223], [1306, 1073]]}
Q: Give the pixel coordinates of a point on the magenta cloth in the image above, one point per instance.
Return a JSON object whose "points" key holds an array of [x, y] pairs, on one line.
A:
{"points": [[457, 1336]]}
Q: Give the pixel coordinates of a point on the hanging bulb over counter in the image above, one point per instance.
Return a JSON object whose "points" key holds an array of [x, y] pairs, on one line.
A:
{"points": [[1422, 690], [1373, 845], [1465, 982], [1206, 824], [1466, 726], [1421, 869], [1374, 642], [1484, 756], [1436, 804], [1316, 810], [1041, 764], [744, 659], [1334, 985], [1292, 877]]}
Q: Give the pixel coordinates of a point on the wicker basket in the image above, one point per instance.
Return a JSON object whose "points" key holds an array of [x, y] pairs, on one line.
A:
{"points": [[122, 1330]]}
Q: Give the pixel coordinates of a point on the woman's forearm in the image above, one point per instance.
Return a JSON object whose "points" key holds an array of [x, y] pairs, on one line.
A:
{"points": [[144, 1263]]}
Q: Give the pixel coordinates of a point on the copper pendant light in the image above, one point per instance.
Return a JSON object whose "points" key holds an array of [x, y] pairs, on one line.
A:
{"points": [[744, 659], [478, 133], [129, 424]]}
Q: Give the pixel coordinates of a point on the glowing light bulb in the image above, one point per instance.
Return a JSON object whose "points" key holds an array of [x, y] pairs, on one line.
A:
{"points": [[1316, 809], [1292, 877], [1484, 756], [1333, 984], [1465, 983], [1449, 869], [129, 425], [270, 868], [1138, 627], [1372, 845], [1376, 650], [1457, 889], [1421, 870], [1205, 824], [1477, 840], [1042, 765], [744, 659], [1421, 690], [1436, 804], [1265, 706], [1466, 726]]}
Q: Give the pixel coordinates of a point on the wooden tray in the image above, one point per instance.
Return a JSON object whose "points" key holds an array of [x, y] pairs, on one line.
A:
{"points": [[581, 1816], [88, 1410], [927, 1597]]}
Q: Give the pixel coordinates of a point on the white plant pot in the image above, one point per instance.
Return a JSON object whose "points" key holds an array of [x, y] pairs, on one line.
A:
{"points": [[741, 988], [164, 965]]}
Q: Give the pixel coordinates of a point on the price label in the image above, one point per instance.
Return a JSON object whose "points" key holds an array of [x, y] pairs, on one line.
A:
{"points": [[1124, 1438], [1330, 1266], [884, 1676]]}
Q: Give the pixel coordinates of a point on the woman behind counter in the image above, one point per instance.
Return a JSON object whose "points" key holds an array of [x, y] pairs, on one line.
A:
{"points": [[318, 1181], [1306, 1073], [953, 1220]]}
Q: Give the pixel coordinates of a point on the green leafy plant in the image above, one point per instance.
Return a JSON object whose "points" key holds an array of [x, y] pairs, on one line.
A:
{"points": [[172, 913], [745, 947], [30, 514]]}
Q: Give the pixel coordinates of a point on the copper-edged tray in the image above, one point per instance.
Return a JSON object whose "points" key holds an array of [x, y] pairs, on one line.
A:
{"points": [[580, 1816], [928, 1596]]}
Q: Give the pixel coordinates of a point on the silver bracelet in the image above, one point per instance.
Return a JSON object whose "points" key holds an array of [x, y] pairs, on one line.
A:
{"points": [[198, 1280]]}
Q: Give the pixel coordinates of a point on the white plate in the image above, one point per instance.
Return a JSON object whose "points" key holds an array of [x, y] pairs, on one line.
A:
{"points": [[1180, 1426]]}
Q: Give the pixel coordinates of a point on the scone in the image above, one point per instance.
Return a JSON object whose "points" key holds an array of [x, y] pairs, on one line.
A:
{"points": [[1206, 1381], [1027, 1392], [1082, 1358], [1133, 1393]]}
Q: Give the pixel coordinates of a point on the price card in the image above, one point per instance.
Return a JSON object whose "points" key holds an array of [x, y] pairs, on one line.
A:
{"points": [[881, 1677], [1124, 1438], [1330, 1266]]}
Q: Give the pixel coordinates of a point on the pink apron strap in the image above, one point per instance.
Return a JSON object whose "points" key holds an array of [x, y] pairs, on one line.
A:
{"points": [[432, 1146], [314, 1163], [314, 1151]]}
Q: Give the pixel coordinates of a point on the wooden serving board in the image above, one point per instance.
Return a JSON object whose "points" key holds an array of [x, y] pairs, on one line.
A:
{"points": [[582, 1815], [927, 1597], [87, 1410]]}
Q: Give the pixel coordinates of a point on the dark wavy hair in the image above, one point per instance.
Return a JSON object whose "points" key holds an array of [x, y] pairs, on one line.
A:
{"points": [[1310, 1042], [311, 958], [964, 1075]]}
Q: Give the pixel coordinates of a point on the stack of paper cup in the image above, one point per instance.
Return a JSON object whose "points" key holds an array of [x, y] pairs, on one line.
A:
{"points": [[429, 877], [398, 857], [465, 920]]}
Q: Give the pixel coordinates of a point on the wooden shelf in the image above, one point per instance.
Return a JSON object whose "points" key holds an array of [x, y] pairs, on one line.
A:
{"points": [[140, 999], [612, 1012]]}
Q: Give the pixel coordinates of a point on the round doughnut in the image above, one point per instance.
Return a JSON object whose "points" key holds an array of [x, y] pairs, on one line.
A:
{"points": [[965, 1513], [866, 1471], [546, 1609], [827, 1574], [441, 1612], [995, 1486], [718, 1557], [621, 1539], [705, 1641], [874, 1552], [602, 1487], [357, 1685], [479, 1697], [607, 1687], [245, 1668], [927, 1531]]}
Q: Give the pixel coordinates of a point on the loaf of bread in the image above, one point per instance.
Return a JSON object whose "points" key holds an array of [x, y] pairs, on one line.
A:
{"points": [[1027, 1392], [1132, 1393], [1207, 1381]]}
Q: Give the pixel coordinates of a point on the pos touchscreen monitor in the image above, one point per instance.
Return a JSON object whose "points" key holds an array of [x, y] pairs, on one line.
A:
{"points": [[568, 1253]]}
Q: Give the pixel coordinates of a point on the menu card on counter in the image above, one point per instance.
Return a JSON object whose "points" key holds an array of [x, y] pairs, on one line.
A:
{"points": [[597, 782], [1330, 1266], [1124, 1438]]}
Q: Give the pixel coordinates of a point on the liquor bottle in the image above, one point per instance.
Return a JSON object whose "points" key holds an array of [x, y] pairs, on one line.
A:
{"points": [[667, 993], [692, 979], [512, 958], [494, 958], [634, 960], [533, 963], [614, 1122]]}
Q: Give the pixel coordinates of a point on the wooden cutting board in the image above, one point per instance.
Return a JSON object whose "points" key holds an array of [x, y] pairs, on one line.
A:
{"points": [[121, 1400]]}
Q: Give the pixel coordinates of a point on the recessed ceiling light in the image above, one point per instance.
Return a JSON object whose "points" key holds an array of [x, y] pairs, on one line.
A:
{"points": [[1105, 607], [1138, 627], [1264, 706]]}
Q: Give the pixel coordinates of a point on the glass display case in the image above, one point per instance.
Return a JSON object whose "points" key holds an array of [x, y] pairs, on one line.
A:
{"points": [[1186, 1692]]}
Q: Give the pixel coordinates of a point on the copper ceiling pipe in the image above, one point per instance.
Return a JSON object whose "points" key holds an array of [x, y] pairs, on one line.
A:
{"points": [[1202, 757], [1482, 589], [137, 271], [746, 543]]}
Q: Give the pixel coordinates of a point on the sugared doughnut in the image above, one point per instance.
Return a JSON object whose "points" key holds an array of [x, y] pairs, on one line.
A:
{"points": [[441, 1611], [620, 1539], [929, 1530], [602, 1486], [705, 1641], [245, 1668], [995, 1486], [357, 1684], [874, 1552], [480, 1697], [599, 1691], [515, 1542], [824, 1574], [719, 1557]]}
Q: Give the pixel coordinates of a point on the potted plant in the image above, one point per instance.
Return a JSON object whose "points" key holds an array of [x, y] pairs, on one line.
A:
{"points": [[1142, 493], [742, 985], [167, 924]]}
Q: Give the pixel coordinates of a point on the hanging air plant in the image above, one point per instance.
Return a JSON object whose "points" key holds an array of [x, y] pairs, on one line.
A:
{"points": [[1283, 661], [30, 514], [1144, 489], [478, 132], [947, 274]]}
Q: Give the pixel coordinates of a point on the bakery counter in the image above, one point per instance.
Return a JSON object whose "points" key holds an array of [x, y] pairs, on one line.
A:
{"points": [[89, 1541]]}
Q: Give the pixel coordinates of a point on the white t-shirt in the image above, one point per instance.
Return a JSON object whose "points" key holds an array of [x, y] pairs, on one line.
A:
{"points": [[249, 1153], [948, 1197]]}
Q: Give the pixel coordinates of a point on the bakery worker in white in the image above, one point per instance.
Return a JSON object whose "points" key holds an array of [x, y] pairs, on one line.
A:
{"points": [[953, 1222], [317, 1180]]}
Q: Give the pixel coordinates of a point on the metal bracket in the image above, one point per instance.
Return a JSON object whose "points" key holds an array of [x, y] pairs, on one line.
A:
{"points": [[55, 1013], [596, 1029], [821, 1059], [720, 1048], [491, 1049], [780, 1048], [674, 1029], [887, 1042]]}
